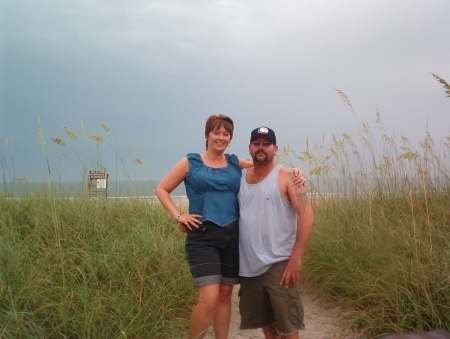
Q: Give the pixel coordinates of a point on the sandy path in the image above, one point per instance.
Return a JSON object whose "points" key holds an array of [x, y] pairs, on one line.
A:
{"points": [[321, 320]]}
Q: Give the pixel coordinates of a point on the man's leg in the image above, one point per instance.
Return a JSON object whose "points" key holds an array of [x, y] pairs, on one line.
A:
{"points": [[286, 304], [271, 333]]}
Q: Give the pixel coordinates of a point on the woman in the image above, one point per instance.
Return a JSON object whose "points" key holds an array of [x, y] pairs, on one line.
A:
{"points": [[212, 182]]}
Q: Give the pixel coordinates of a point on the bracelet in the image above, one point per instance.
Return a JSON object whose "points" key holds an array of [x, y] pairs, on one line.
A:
{"points": [[179, 215]]}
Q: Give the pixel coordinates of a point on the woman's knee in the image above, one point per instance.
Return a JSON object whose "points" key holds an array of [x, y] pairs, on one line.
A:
{"points": [[208, 296], [208, 305], [225, 293]]}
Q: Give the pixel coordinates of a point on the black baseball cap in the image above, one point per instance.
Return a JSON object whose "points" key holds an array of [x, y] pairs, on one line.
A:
{"points": [[265, 132]]}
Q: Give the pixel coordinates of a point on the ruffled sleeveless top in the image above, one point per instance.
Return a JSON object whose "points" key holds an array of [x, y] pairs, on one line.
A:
{"points": [[212, 192]]}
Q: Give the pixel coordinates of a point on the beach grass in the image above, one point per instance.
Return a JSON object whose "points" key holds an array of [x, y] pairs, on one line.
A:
{"points": [[380, 244], [91, 268], [389, 271]]}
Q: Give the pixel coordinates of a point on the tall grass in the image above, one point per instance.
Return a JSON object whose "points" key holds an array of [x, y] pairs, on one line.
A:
{"points": [[90, 269], [74, 267], [380, 244]]}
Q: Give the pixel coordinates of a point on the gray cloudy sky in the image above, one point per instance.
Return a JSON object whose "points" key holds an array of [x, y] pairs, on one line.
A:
{"points": [[153, 71]]}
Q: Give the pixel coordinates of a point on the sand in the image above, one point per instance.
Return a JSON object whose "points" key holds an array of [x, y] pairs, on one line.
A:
{"points": [[322, 321]]}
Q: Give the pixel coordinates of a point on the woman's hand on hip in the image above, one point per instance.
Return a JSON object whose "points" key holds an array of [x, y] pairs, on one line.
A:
{"points": [[188, 222]]}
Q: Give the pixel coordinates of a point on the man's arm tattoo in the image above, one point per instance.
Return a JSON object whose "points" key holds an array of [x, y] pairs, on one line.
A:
{"points": [[302, 197], [291, 175]]}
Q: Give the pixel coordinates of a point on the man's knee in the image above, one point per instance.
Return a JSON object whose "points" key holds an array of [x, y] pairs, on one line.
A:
{"points": [[270, 332]]}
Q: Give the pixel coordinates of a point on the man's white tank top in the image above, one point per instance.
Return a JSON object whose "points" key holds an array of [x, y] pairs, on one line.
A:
{"points": [[267, 225]]}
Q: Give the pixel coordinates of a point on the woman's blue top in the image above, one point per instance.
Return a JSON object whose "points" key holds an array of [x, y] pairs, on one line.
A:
{"points": [[212, 192]]}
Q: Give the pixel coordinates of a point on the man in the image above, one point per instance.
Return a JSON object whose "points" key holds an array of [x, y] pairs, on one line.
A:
{"points": [[275, 224]]}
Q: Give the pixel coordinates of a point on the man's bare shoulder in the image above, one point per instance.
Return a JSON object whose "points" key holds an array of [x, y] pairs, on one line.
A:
{"points": [[286, 171]]}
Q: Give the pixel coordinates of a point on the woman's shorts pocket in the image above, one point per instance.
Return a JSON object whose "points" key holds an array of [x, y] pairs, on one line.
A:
{"points": [[200, 229]]}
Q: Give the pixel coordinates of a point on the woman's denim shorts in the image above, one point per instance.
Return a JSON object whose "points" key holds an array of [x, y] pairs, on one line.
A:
{"points": [[212, 252]]}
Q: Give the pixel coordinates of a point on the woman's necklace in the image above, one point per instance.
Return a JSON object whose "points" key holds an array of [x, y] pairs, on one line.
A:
{"points": [[218, 165]]}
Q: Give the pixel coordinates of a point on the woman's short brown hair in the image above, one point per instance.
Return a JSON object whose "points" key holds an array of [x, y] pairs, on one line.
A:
{"points": [[215, 122]]}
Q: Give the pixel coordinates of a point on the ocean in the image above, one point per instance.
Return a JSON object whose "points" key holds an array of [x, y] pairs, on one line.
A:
{"points": [[125, 189]]}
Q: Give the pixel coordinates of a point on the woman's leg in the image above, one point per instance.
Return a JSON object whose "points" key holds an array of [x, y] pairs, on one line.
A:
{"points": [[222, 314], [208, 297], [229, 269]]}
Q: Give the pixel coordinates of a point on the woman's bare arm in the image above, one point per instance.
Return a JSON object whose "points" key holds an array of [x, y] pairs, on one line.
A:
{"points": [[167, 185]]}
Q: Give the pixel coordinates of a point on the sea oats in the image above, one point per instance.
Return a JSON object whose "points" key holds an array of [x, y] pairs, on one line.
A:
{"points": [[105, 128], [362, 174], [348, 139], [131, 146], [323, 169], [443, 82], [295, 153], [447, 144], [389, 140], [345, 99], [410, 155], [366, 128], [70, 133], [378, 121], [427, 143], [335, 141], [405, 148], [404, 139], [59, 141], [41, 137], [335, 153], [366, 142], [309, 156], [326, 158], [97, 138], [82, 129]]}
